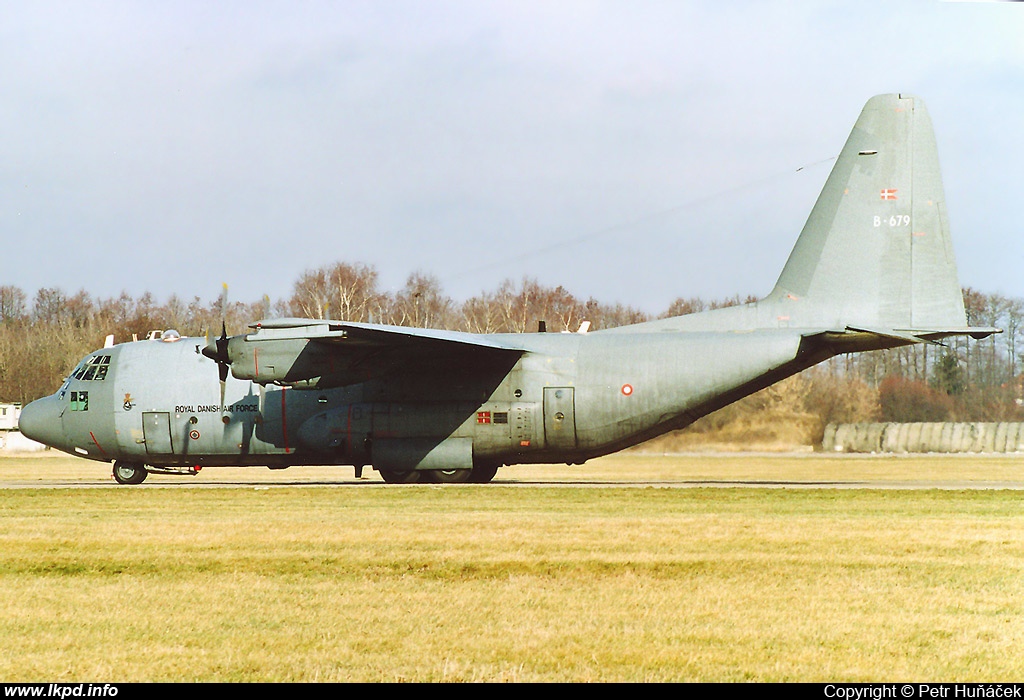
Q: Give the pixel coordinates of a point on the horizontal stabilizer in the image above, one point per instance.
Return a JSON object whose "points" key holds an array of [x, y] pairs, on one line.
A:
{"points": [[853, 339]]}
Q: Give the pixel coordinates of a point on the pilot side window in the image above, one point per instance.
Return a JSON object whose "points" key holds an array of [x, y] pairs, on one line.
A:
{"points": [[79, 400]]}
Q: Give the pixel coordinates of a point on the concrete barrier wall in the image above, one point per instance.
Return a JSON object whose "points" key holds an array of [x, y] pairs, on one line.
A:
{"points": [[13, 441], [924, 437]]}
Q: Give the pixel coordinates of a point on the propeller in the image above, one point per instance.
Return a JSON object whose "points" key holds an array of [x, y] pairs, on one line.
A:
{"points": [[223, 361], [218, 349]]}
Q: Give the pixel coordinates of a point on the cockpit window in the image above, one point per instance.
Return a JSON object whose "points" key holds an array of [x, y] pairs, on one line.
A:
{"points": [[79, 400], [93, 369]]}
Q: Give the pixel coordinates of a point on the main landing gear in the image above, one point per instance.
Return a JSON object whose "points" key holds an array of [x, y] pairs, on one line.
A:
{"points": [[481, 474]]}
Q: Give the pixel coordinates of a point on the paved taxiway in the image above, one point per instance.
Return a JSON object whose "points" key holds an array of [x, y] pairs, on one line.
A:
{"points": [[798, 470], [372, 482]]}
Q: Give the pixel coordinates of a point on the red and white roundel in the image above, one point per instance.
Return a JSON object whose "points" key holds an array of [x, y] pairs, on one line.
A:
{"points": [[194, 434], [627, 389]]}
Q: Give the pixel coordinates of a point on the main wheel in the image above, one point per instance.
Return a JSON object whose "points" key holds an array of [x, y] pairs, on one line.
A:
{"points": [[396, 477], [483, 473], [447, 476], [129, 473]]}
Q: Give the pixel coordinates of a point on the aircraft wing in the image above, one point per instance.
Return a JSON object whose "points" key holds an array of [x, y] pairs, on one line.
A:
{"points": [[320, 353]]}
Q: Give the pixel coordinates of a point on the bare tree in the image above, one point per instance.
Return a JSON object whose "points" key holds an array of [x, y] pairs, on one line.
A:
{"points": [[421, 304], [344, 291], [12, 304], [684, 307]]}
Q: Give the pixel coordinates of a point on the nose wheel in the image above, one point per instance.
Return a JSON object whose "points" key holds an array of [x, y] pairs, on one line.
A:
{"points": [[129, 473]]}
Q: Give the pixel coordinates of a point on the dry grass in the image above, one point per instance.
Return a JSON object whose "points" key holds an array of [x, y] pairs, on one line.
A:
{"points": [[356, 582]]}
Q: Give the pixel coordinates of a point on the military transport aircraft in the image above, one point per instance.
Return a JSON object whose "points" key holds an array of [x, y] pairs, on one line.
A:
{"points": [[873, 268]]}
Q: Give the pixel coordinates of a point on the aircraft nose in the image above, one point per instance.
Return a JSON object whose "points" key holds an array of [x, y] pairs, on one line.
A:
{"points": [[40, 421]]}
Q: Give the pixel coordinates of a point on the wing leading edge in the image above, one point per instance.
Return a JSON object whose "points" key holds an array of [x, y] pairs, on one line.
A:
{"points": [[368, 334]]}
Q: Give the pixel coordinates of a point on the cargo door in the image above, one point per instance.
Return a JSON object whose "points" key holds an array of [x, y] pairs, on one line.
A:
{"points": [[559, 417]]}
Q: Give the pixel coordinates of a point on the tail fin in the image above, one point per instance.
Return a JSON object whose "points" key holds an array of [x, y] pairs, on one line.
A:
{"points": [[876, 249], [875, 255]]}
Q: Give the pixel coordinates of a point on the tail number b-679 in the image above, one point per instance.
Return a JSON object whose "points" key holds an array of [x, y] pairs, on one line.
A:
{"points": [[894, 220]]}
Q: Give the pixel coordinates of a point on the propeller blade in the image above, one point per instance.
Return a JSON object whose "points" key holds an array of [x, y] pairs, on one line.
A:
{"points": [[217, 349], [224, 302], [223, 359]]}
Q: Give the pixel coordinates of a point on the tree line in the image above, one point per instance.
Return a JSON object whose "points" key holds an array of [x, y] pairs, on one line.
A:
{"points": [[43, 337]]}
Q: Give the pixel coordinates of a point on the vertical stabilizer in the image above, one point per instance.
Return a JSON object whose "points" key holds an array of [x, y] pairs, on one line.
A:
{"points": [[875, 255], [876, 249]]}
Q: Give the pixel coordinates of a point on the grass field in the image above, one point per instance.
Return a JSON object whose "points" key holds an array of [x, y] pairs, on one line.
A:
{"points": [[314, 576]]}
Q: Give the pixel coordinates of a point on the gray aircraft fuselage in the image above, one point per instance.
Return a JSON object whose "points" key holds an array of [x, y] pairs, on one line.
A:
{"points": [[872, 268], [567, 398]]}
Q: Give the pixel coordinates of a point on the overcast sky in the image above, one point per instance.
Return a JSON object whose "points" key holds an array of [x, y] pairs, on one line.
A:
{"points": [[630, 151]]}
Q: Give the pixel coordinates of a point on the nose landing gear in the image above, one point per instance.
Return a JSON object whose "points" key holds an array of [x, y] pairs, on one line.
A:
{"points": [[129, 473]]}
